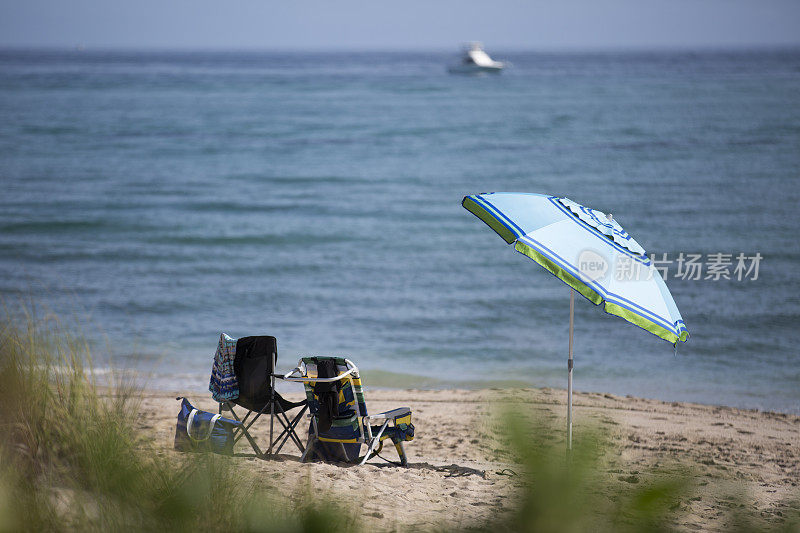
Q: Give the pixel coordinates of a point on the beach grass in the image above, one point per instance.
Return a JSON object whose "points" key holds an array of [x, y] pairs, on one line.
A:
{"points": [[70, 458], [573, 490]]}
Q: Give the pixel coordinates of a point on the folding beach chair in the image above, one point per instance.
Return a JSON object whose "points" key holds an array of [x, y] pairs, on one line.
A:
{"points": [[339, 420], [254, 366]]}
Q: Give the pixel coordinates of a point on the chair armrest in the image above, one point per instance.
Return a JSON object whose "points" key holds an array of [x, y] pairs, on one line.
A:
{"points": [[289, 377], [400, 411]]}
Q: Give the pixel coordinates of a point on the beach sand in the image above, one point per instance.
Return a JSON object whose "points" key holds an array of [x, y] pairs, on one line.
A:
{"points": [[459, 477]]}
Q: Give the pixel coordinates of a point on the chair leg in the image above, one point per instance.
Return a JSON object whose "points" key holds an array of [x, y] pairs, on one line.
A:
{"points": [[272, 402], [289, 428], [246, 433], [343, 451], [293, 425], [239, 433], [245, 426], [369, 452], [280, 414], [374, 442], [401, 452], [309, 448], [312, 440]]}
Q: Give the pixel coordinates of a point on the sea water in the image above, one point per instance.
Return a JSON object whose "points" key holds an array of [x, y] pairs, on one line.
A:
{"points": [[161, 198]]}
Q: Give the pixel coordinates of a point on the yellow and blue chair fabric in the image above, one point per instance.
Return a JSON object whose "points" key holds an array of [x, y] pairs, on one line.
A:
{"points": [[352, 426]]}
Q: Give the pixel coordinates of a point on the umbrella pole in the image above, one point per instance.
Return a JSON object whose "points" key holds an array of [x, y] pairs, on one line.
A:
{"points": [[569, 368]]}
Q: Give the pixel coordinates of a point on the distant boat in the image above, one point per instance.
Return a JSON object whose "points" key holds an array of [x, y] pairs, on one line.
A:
{"points": [[475, 61]]}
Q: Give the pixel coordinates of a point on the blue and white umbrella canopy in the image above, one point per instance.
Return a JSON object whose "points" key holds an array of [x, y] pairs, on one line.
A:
{"points": [[590, 252], [587, 250]]}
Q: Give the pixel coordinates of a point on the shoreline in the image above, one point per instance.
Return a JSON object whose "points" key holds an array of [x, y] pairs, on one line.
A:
{"points": [[383, 380], [457, 464]]}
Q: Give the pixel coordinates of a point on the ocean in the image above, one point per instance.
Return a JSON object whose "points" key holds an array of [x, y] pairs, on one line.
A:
{"points": [[158, 199]]}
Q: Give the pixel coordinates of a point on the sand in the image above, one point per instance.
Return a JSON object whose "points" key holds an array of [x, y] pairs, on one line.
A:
{"points": [[458, 476]]}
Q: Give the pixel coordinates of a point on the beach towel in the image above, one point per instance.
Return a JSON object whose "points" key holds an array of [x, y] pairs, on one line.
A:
{"points": [[327, 394], [223, 384]]}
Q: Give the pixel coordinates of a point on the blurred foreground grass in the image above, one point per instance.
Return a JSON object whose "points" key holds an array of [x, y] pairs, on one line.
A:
{"points": [[70, 459]]}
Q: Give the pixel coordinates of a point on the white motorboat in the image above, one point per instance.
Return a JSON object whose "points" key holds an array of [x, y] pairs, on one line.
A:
{"points": [[475, 60]]}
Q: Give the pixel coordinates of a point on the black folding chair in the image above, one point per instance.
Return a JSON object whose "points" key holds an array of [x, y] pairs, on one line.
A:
{"points": [[254, 366]]}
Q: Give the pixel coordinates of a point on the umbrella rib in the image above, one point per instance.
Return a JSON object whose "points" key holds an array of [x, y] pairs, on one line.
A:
{"points": [[505, 220], [615, 298]]}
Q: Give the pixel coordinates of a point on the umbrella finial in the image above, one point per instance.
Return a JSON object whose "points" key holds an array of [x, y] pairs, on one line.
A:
{"points": [[610, 217]]}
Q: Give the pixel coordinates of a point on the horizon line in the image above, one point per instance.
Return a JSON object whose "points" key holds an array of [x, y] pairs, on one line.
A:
{"points": [[83, 47]]}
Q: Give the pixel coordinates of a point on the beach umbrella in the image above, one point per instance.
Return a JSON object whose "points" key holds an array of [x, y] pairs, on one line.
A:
{"points": [[589, 251]]}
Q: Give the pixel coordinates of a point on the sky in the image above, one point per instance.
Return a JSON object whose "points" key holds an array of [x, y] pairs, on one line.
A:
{"points": [[413, 24]]}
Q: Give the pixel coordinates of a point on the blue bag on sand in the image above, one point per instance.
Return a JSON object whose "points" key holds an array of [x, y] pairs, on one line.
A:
{"points": [[202, 431]]}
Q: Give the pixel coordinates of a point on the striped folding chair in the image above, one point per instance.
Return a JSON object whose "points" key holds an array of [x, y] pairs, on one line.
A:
{"points": [[340, 424]]}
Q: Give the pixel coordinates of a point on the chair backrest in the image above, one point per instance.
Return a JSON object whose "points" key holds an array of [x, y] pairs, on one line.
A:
{"points": [[254, 363], [351, 396]]}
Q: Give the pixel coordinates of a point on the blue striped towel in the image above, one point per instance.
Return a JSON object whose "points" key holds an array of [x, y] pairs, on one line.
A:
{"points": [[223, 384]]}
